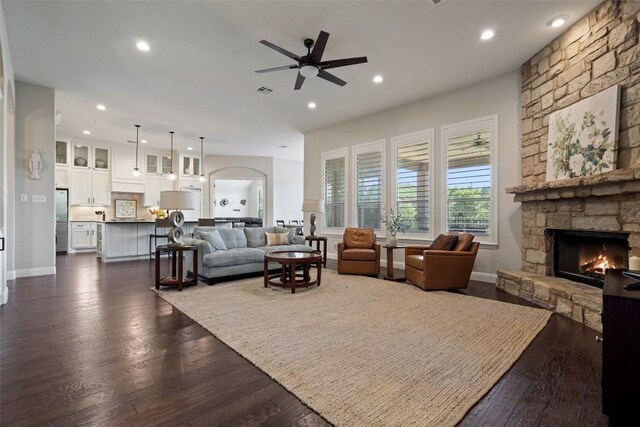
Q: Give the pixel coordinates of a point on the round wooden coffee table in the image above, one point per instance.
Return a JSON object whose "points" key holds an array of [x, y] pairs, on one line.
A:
{"points": [[290, 261]]}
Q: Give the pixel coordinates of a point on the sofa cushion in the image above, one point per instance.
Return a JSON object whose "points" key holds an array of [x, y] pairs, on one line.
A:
{"points": [[255, 236], [359, 238], [415, 261], [214, 239], [233, 237], [233, 257], [359, 255], [464, 242], [277, 239], [444, 242], [295, 248]]}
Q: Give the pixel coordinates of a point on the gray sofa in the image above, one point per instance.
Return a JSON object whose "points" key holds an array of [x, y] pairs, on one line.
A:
{"points": [[224, 252]]}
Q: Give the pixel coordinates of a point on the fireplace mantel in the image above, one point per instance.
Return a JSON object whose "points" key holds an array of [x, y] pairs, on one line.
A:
{"points": [[621, 181]]}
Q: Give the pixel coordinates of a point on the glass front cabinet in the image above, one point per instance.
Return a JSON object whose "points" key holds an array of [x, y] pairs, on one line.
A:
{"points": [[62, 153]]}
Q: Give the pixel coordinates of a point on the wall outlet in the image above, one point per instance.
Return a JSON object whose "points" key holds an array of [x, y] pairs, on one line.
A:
{"points": [[36, 198], [23, 198]]}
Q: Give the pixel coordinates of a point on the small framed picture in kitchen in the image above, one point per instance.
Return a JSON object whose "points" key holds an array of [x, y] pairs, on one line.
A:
{"points": [[125, 208]]}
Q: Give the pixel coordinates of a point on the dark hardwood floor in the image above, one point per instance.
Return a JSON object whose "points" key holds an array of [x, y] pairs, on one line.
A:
{"points": [[93, 345]]}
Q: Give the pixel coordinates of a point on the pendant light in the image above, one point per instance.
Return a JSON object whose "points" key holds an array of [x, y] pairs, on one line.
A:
{"points": [[202, 178], [136, 172], [171, 176]]}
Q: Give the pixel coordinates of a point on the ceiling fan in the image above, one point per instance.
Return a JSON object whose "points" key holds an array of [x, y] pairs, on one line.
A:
{"points": [[311, 64], [477, 142]]}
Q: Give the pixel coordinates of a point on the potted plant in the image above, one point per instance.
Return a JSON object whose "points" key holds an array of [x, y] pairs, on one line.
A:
{"points": [[393, 223]]}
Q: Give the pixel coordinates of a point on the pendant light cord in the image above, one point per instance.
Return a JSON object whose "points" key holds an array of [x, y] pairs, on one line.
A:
{"points": [[201, 155], [171, 132], [137, 134]]}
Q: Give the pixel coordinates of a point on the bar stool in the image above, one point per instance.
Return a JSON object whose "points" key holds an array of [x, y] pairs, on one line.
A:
{"points": [[164, 223]]}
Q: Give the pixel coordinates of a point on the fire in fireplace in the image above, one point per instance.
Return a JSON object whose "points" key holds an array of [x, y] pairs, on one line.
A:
{"points": [[584, 256]]}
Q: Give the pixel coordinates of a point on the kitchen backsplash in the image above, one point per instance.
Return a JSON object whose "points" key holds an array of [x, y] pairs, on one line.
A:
{"points": [[87, 213]]}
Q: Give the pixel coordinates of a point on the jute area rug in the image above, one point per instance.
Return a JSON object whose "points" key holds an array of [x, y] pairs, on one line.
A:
{"points": [[368, 352]]}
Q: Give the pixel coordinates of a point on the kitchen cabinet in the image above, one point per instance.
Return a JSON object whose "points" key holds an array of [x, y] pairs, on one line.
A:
{"points": [[90, 157], [189, 166], [62, 152], [94, 234], [62, 177], [153, 185], [124, 161], [120, 241], [89, 187], [151, 164], [83, 235]]}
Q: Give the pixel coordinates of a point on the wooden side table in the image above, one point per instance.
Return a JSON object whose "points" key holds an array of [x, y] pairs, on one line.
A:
{"points": [[390, 249], [319, 239], [177, 277]]}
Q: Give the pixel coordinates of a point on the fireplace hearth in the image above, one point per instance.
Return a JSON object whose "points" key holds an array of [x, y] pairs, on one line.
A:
{"points": [[584, 256]]}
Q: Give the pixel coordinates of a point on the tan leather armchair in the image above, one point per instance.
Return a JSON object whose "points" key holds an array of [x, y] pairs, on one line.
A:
{"points": [[359, 253], [439, 270]]}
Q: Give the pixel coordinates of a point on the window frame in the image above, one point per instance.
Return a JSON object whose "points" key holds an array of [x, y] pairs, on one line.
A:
{"points": [[331, 155], [368, 147], [428, 136], [487, 123]]}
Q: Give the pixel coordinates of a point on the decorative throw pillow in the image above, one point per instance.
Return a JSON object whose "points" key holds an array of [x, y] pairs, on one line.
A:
{"points": [[276, 239], [290, 231], [464, 242], [214, 239], [444, 242]]}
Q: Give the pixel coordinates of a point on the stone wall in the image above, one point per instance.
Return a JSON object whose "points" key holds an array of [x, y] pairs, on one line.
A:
{"points": [[599, 51]]}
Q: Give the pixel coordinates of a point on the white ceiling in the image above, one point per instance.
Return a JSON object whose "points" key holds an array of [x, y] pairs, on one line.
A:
{"points": [[198, 79]]}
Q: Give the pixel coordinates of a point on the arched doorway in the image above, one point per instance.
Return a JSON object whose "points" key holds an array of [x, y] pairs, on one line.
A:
{"points": [[238, 192]]}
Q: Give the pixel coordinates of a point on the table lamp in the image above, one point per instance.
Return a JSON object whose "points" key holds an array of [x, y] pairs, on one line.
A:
{"points": [[177, 201], [313, 206]]}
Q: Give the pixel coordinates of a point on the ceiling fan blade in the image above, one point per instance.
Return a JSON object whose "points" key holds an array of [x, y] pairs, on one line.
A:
{"points": [[281, 50], [331, 78], [299, 81], [319, 45], [342, 62], [284, 67]]}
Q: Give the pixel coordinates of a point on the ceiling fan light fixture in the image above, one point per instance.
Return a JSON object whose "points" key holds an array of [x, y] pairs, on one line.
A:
{"points": [[309, 70]]}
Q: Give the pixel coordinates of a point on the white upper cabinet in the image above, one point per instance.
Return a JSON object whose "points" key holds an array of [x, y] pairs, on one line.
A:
{"points": [[80, 156], [189, 165], [124, 161], [89, 157], [101, 158], [62, 152], [166, 165], [151, 164]]}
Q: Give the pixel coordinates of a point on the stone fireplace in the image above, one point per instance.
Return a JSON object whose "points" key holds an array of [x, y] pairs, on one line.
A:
{"points": [[599, 51]]}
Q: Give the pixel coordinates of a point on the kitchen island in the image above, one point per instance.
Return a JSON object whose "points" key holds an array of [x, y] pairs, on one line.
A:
{"points": [[129, 240]]}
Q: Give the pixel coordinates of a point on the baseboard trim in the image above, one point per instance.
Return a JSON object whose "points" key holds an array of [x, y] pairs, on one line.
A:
{"points": [[11, 275], [29, 272]]}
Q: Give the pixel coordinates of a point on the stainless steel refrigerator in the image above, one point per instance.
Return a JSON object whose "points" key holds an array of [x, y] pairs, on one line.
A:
{"points": [[62, 220]]}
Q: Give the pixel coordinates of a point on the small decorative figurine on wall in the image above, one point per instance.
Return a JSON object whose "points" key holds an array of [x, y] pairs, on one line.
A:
{"points": [[35, 165]]}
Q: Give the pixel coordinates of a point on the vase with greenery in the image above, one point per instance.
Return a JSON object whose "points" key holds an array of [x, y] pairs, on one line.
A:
{"points": [[393, 223]]}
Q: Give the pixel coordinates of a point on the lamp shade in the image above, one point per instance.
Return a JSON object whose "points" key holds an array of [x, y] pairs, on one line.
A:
{"points": [[177, 200], [312, 205]]}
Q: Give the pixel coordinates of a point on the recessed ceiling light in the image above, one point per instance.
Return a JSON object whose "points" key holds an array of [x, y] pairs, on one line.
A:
{"points": [[189, 148], [557, 21], [378, 79], [86, 132], [487, 35], [101, 107], [281, 146], [312, 105], [144, 141], [143, 46]]}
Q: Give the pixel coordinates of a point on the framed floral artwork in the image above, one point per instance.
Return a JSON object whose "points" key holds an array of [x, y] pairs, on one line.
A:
{"points": [[125, 208], [583, 137]]}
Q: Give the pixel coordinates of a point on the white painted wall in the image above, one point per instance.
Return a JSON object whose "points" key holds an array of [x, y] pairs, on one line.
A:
{"points": [[7, 127], [288, 189], [35, 222], [500, 96], [234, 194]]}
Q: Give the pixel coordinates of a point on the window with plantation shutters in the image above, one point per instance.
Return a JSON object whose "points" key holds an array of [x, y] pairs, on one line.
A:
{"points": [[470, 173], [334, 189], [412, 188], [369, 170]]}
